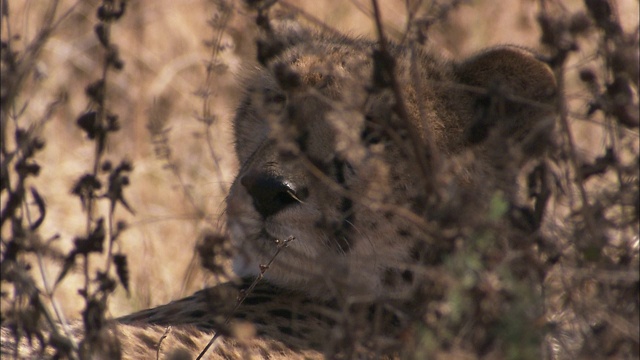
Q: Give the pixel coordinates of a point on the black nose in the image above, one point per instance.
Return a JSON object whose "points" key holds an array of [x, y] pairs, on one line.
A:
{"points": [[270, 193]]}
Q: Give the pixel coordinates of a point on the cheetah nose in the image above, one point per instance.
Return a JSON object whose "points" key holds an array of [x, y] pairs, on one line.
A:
{"points": [[270, 193]]}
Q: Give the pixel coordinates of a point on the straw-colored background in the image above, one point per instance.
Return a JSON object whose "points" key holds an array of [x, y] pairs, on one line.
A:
{"points": [[161, 43]]}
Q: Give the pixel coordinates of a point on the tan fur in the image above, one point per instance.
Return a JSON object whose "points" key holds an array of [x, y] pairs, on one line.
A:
{"points": [[314, 127], [331, 103]]}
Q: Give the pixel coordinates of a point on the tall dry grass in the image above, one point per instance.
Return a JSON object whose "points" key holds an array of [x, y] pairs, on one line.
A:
{"points": [[184, 166]]}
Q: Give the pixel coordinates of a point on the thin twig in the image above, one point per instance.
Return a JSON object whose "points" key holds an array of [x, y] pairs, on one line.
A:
{"points": [[566, 129], [281, 244], [417, 143], [166, 333], [207, 117]]}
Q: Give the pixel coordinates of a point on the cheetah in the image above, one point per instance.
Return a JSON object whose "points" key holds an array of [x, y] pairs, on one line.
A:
{"points": [[357, 162]]}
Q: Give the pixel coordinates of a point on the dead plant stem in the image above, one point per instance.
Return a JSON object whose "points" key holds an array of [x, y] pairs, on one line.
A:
{"points": [[281, 244]]}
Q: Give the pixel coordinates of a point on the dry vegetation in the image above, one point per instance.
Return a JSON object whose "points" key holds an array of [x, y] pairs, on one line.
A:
{"points": [[174, 97]]}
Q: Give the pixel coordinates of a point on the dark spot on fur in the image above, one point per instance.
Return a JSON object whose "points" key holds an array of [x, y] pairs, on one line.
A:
{"points": [[404, 232], [267, 50], [276, 97], [483, 121], [264, 353], [226, 353], [424, 252], [209, 325], [139, 317], [259, 321], [369, 136], [349, 168], [240, 316], [403, 133], [303, 193], [302, 140], [321, 317], [287, 78], [523, 218], [179, 354], [277, 347], [265, 290], [338, 167], [147, 340], [185, 339], [286, 330], [197, 313], [287, 154], [283, 313], [256, 300], [418, 204], [322, 165], [407, 276], [342, 233], [383, 65], [416, 252], [390, 277], [318, 80]]}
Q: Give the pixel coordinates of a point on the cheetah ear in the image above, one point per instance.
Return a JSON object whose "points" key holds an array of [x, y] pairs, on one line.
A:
{"points": [[514, 92]]}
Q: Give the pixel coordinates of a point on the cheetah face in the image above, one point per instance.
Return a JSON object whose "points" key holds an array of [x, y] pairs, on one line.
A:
{"points": [[325, 162], [311, 171]]}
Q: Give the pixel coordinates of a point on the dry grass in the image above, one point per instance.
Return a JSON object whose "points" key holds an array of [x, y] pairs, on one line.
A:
{"points": [[163, 46]]}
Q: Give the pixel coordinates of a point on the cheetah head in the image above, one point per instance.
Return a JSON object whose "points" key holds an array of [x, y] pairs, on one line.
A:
{"points": [[327, 157]]}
